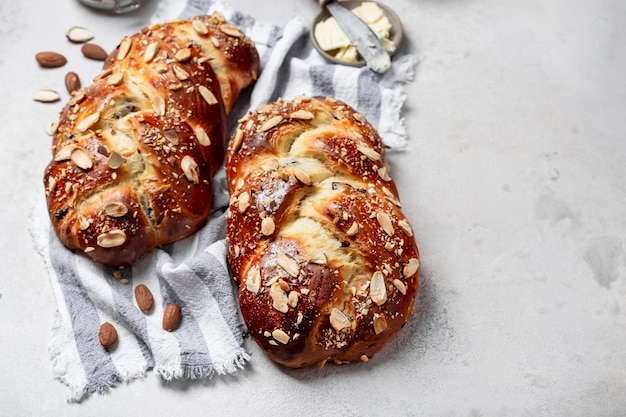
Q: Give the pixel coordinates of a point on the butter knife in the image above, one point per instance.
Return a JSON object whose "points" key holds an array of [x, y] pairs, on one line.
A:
{"points": [[362, 37]]}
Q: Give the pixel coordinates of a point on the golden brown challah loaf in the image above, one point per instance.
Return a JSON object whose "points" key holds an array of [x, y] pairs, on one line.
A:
{"points": [[326, 262], [134, 152]]}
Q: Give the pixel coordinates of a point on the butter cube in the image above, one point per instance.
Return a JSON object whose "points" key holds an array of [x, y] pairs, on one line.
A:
{"points": [[330, 36]]}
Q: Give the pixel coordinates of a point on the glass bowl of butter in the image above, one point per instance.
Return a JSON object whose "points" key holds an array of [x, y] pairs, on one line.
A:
{"points": [[332, 42]]}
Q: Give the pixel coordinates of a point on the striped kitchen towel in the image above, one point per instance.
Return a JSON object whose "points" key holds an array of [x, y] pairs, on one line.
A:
{"points": [[193, 272]]}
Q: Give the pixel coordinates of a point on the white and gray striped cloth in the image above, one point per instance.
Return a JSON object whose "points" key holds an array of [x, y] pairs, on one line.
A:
{"points": [[194, 272]]}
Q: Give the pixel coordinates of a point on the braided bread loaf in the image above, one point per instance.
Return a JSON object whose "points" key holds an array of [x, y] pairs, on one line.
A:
{"points": [[134, 152], [326, 262]]}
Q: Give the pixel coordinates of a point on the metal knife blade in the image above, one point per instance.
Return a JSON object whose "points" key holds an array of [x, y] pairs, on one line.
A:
{"points": [[362, 37]]}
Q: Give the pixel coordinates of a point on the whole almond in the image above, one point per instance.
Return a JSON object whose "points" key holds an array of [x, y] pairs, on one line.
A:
{"points": [[144, 298], [93, 51], [107, 335], [72, 82], [50, 59], [171, 317]]}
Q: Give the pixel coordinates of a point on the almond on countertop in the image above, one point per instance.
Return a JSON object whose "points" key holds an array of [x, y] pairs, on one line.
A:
{"points": [[78, 34], [46, 96], [50, 59], [94, 51], [72, 82]]}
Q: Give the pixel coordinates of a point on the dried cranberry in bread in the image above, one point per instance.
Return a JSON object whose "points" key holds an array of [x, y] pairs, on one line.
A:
{"points": [[134, 152], [326, 262]]}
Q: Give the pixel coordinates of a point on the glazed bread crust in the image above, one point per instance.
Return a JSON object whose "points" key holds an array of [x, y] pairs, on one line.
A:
{"points": [[326, 262], [134, 152]]}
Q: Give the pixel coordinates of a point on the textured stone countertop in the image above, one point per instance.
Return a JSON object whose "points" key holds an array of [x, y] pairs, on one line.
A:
{"points": [[514, 180]]}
